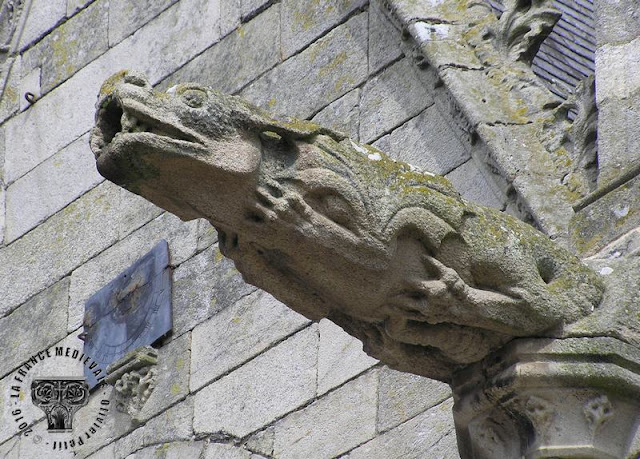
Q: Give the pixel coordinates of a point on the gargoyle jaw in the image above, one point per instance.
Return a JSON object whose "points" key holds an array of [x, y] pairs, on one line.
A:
{"points": [[119, 119]]}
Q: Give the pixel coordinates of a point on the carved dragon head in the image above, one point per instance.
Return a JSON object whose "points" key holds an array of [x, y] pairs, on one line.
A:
{"points": [[428, 281]]}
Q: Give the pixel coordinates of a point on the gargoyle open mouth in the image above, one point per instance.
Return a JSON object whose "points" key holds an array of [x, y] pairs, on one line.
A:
{"points": [[120, 119]]}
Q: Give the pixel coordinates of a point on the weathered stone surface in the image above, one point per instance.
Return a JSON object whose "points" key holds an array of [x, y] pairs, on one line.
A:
{"points": [[446, 447], [67, 240], [203, 286], [43, 16], [169, 40], [172, 425], [102, 269], [322, 73], [174, 450], [619, 314], [261, 391], [337, 229], [608, 218], [11, 448], [530, 169], [227, 451], [237, 334], [247, 53], [403, 395], [30, 83], [108, 452], [11, 97], [332, 425], [390, 99], [618, 127], [35, 326], [49, 125], [418, 438], [126, 17], [3, 196], [472, 184], [303, 22], [66, 113], [53, 53], [50, 187], [618, 21], [342, 115], [230, 15], [73, 6], [207, 234], [426, 141], [340, 357], [384, 39], [249, 8], [618, 70], [262, 442], [130, 443]]}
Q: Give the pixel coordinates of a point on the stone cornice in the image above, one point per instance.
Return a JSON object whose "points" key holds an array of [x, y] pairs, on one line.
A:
{"points": [[483, 62]]}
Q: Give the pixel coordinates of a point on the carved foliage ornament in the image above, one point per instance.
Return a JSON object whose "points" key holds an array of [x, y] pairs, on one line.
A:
{"points": [[134, 378], [523, 26], [598, 411], [333, 228]]}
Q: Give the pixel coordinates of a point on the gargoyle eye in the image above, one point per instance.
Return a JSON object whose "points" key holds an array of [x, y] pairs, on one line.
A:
{"points": [[194, 98]]}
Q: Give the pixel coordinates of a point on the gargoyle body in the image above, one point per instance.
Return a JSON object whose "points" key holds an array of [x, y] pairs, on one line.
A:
{"points": [[427, 280]]}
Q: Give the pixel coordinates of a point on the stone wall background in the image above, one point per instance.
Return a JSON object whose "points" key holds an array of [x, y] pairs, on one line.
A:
{"points": [[242, 375]]}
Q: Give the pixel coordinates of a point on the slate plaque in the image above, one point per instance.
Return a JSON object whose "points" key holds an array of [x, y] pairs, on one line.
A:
{"points": [[132, 310]]}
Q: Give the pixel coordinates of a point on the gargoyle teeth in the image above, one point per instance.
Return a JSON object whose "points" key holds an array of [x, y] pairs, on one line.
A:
{"points": [[131, 124]]}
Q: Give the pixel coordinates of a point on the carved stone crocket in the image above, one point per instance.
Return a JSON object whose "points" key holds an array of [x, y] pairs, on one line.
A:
{"points": [[333, 228]]}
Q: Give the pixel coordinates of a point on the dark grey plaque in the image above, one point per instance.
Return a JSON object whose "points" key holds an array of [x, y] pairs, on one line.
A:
{"points": [[132, 310]]}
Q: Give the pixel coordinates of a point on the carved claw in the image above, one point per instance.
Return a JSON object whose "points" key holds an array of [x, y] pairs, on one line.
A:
{"points": [[452, 280]]}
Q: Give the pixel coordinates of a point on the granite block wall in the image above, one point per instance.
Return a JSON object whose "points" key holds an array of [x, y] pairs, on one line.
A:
{"points": [[241, 375]]}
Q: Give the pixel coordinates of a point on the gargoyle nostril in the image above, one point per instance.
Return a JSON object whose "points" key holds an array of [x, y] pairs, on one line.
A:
{"points": [[135, 79]]}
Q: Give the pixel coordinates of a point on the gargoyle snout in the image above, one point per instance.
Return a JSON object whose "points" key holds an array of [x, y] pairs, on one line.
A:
{"points": [[118, 82], [136, 79]]}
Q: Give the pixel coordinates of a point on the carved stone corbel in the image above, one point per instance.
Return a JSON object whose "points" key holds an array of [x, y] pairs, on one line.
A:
{"points": [[133, 378], [542, 398]]}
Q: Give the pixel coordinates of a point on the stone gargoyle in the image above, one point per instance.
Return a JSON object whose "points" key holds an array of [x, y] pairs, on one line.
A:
{"points": [[333, 228]]}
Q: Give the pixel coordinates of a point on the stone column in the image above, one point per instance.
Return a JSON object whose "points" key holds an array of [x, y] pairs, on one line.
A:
{"points": [[551, 398]]}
